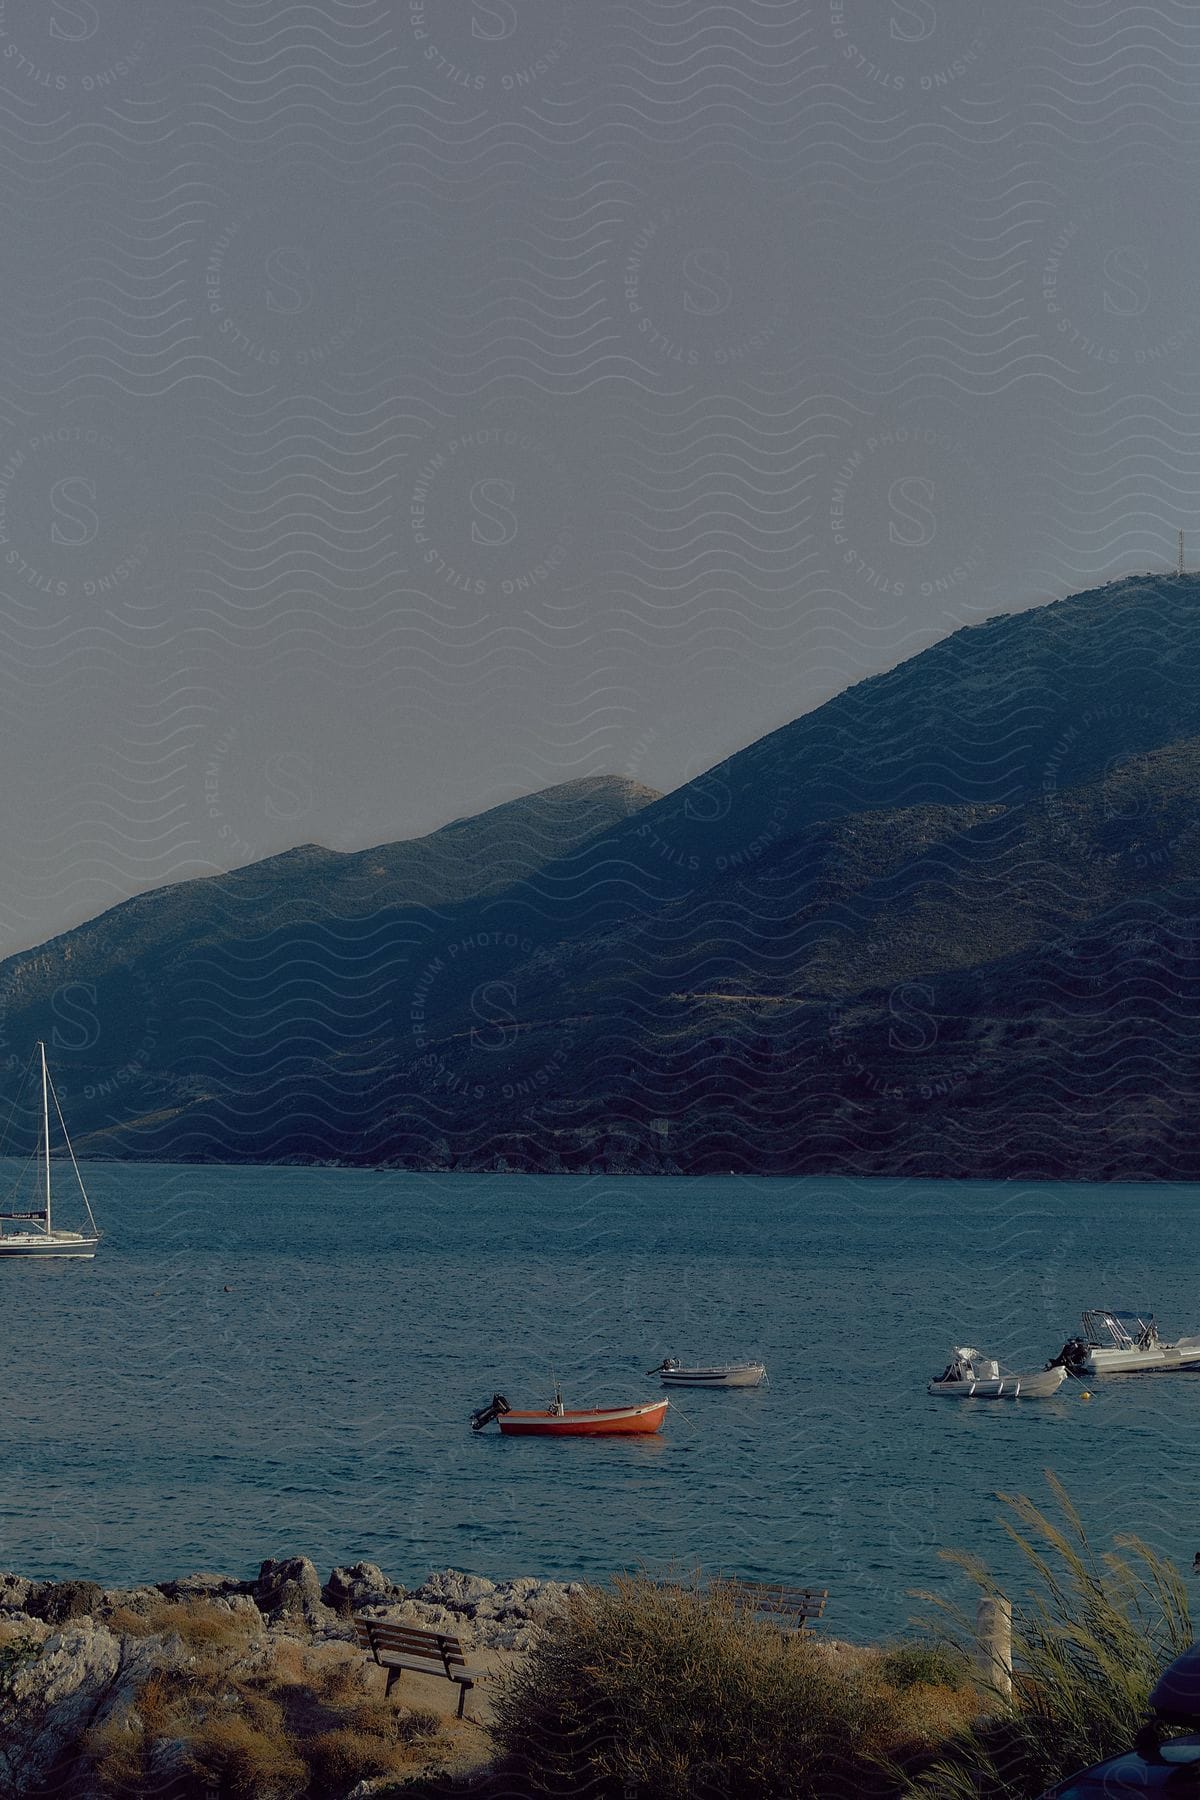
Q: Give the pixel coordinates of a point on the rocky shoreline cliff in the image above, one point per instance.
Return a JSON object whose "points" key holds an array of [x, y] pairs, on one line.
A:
{"points": [[211, 1683], [287, 1596]]}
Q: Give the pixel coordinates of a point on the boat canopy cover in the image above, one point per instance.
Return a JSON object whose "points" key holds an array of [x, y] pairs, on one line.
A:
{"points": [[1121, 1324]]}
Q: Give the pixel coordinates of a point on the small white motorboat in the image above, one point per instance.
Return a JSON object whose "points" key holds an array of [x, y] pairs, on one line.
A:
{"points": [[1125, 1343], [972, 1376], [715, 1375]]}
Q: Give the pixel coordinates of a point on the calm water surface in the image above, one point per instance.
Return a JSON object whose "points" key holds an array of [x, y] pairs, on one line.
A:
{"points": [[154, 1423]]}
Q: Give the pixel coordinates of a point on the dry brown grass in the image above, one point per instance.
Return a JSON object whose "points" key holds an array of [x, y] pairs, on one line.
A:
{"points": [[251, 1718], [353, 1753], [246, 1758], [199, 1623]]}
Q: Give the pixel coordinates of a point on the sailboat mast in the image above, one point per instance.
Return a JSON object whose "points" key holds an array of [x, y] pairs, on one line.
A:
{"points": [[46, 1130]]}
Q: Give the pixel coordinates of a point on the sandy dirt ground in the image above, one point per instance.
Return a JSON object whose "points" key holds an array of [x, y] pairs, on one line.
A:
{"points": [[472, 1749]]}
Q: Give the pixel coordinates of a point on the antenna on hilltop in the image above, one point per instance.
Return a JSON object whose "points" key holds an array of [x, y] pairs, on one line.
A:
{"points": [[1179, 571]]}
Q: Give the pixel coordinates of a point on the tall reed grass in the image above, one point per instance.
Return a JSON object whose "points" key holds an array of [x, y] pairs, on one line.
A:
{"points": [[1090, 1638]]}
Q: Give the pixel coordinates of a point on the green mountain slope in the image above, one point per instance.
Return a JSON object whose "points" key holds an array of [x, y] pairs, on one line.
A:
{"points": [[946, 924]]}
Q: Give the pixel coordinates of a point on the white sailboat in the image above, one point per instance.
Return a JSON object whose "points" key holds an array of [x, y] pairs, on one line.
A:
{"points": [[42, 1237]]}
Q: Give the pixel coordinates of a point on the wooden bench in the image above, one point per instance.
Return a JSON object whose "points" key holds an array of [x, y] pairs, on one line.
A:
{"points": [[790, 1607], [399, 1647]]}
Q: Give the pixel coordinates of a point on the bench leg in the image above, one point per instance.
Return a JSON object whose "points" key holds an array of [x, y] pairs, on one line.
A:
{"points": [[393, 1676], [462, 1697]]}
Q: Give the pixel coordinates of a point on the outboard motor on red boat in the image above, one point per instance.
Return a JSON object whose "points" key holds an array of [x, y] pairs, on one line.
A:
{"points": [[486, 1414]]}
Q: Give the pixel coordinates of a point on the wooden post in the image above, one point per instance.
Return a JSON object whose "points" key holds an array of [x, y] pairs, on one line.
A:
{"points": [[993, 1638]]}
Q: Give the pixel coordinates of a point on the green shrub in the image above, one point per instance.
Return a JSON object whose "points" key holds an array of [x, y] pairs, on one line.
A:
{"points": [[670, 1692], [924, 1663], [1089, 1642]]}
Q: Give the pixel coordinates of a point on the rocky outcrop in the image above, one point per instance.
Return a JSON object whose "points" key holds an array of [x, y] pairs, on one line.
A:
{"points": [[14, 1593], [204, 1586], [287, 1584], [493, 1615], [288, 1593], [362, 1584], [290, 1598], [58, 1601], [65, 1672], [71, 1681]]}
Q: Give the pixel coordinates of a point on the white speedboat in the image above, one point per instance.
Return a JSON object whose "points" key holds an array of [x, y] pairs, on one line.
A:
{"points": [[42, 1237], [1125, 1343], [718, 1375], [972, 1376]]}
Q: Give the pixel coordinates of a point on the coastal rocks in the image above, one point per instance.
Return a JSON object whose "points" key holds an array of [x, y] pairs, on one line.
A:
{"points": [[549, 1603], [288, 1597], [289, 1593], [58, 1601], [287, 1585], [348, 1590], [73, 1681], [205, 1586], [449, 1588], [490, 1615], [237, 1603], [140, 1601], [14, 1593]]}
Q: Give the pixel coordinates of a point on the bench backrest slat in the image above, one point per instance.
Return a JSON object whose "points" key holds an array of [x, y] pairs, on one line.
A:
{"points": [[772, 1597], [438, 1647]]}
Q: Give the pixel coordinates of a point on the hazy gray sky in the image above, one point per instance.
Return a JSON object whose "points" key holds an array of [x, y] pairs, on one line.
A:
{"points": [[405, 404]]}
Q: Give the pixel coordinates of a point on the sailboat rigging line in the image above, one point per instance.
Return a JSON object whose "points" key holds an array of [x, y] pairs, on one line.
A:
{"points": [[23, 1174], [21, 1178], [17, 1098], [71, 1153]]}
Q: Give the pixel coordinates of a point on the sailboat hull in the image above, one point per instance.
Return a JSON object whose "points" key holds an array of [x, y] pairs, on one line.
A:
{"points": [[45, 1241], [39, 1245]]}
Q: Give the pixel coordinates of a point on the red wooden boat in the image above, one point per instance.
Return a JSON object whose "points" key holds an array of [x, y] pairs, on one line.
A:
{"points": [[640, 1419]]}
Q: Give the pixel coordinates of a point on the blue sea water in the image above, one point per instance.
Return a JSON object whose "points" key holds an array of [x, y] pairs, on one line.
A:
{"points": [[269, 1361]]}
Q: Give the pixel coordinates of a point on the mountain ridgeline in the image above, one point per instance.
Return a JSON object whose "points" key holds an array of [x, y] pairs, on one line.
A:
{"points": [[946, 924]]}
